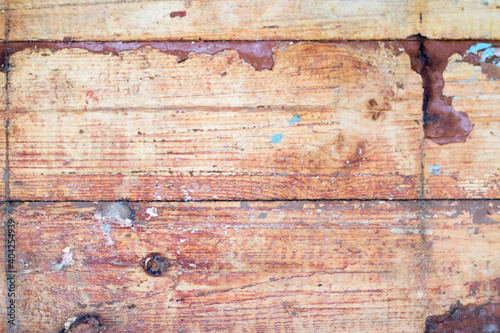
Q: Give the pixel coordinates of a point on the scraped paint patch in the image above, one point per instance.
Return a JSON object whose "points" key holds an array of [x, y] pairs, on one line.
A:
{"points": [[435, 170], [258, 54], [466, 318], [295, 119], [115, 211]]}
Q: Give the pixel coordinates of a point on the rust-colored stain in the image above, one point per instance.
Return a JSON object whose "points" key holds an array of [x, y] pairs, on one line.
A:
{"points": [[258, 54], [470, 318]]}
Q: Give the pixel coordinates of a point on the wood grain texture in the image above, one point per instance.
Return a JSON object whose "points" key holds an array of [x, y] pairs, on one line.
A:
{"points": [[330, 120], [463, 253], [249, 266], [471, 169], [211, 20], [460, 19], [252, 20], [3, 18]]}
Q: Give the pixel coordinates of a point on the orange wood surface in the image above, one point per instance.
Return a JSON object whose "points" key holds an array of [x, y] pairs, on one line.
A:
{"points": [[249, 166]]}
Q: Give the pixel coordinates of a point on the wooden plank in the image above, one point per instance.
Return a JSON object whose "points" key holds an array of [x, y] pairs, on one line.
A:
{"points": [[211, 20], [470, 169], [463, 252], [235, 266], [251, 20], [330, 120], [460, 19]]}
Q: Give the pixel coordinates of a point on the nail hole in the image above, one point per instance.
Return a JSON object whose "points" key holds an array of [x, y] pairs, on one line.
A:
{"points": [[155, 264]]}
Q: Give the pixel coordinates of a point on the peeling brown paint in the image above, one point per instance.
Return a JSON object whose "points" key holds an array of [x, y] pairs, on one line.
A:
{"points": [[466, 318], [88, 323], [429, 58], [442, 124], [258, 54]]}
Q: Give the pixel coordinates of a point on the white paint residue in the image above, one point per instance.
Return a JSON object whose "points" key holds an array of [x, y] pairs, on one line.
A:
{"points": [[152, 212], [66, 259], [106, 232], [68, 323], [449, 214], [411, 231]]}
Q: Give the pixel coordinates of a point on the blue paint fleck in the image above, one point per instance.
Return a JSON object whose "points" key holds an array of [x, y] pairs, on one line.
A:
{"points": [[277, 138], [472, 79], [435, 170], [478, 47], [295, 119]]}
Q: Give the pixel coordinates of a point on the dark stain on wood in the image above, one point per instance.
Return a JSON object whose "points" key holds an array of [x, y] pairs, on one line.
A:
{"points": [[88, 323], [466, 318]]}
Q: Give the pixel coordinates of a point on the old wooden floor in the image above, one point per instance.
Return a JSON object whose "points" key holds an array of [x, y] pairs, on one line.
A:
{"points": [[250, 166]]}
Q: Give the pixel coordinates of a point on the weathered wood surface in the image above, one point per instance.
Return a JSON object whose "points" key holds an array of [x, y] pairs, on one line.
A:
{"points": [[252, 20], [330, 120], [249, 266], [471, 169], [463, 253], [275, 266], [460, 19]]}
